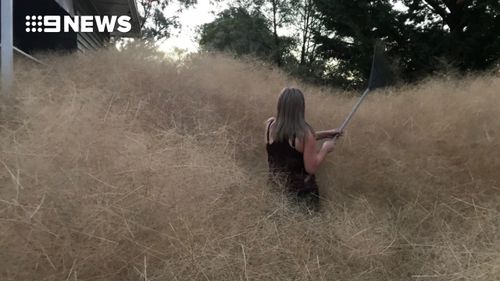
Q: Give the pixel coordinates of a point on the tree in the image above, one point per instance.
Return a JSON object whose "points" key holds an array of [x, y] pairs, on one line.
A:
{"points": [[310, 66], [351, 29], [308, 24], [468, 30], [240, 32], [279, 14], [154, 22], [461, 32]]}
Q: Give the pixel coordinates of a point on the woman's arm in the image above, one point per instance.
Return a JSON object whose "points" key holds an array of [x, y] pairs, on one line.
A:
{"points": [[313, 159], [328, 134]]}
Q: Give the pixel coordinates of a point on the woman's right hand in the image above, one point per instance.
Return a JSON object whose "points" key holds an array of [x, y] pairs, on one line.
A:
{"points": [[329, 145]]}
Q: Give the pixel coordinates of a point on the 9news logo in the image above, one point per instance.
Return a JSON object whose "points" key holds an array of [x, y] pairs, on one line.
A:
{"points": [[55, 24]]}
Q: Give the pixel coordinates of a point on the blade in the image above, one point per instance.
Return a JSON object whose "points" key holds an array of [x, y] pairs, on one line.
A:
{"points": [[354, 109], [379, 77], [380, 74]]}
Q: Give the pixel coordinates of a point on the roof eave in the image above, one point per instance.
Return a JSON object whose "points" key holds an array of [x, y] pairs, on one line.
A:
{"points": [[136, 22]]}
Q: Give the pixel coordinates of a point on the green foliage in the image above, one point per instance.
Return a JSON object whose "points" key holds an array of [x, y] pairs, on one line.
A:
{"points": [[461, 33], [278, 14], [333, 40], [467, 31], [351, 30], [155, 24], [238, 31]]}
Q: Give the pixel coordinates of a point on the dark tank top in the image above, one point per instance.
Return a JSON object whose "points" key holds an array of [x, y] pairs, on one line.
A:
{"points": [[286, 166]]}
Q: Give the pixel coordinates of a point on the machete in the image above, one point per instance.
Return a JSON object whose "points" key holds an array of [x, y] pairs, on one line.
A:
{"points": [[378, 79]]}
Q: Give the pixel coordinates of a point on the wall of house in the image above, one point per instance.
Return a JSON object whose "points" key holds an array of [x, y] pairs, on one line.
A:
{"points": [[89, 40], [31, 42]]}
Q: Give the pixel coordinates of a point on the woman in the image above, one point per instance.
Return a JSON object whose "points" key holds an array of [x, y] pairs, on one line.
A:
{"points": [[291, 147]]}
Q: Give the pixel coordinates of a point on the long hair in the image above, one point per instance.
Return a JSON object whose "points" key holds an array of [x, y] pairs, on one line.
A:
{"points": [[290, 121]]}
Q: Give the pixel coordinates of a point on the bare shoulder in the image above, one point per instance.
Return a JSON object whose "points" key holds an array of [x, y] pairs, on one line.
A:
{"points": [[269, 120], [309, 134], [310, 130], [308, 139]]}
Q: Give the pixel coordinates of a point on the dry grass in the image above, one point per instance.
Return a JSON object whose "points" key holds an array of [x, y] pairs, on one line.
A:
{"points": [[120, 166]]}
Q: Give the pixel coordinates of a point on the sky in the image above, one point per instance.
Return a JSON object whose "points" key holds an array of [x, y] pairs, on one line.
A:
{"points": [[190, 19]]}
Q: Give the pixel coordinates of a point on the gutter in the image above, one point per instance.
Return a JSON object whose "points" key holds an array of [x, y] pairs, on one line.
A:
{"points": [[26, 55]]}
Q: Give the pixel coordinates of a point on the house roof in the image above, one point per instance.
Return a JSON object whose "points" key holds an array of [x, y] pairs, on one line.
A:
{"points": [[120, 7]]}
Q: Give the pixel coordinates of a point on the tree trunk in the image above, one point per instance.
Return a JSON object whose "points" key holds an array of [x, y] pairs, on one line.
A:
{"points": [[305, 30], [277, 58]]}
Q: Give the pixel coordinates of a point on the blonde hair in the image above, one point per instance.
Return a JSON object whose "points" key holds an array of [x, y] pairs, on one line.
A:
{"points": [[290, 121]]}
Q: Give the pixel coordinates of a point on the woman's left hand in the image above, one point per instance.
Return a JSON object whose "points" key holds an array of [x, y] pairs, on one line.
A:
{"points": [[335, 133]]}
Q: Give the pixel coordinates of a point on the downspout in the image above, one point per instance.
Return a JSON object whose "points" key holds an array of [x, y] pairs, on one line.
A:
{"points": [[7, 57]]}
